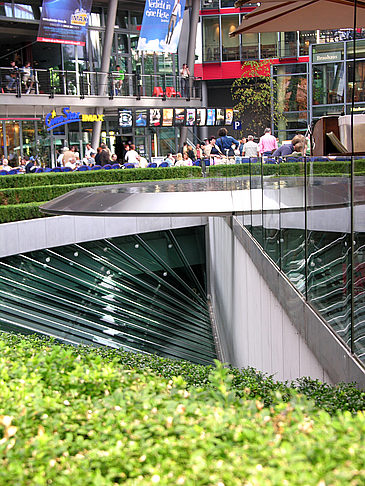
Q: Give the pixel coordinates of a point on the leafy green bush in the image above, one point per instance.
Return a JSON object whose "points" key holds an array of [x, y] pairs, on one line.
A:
{"points": [[101, 176], [67, 418], [19, 212]]}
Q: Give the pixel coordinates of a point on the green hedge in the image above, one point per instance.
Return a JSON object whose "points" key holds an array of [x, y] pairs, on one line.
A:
{"points": [[77, 419], [20, 212], [102, 176], [286, 169]]}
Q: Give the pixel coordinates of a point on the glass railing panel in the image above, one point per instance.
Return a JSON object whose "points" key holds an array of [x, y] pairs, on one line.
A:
{"points": [[292, 220], [359, 259], [271, 208], [256, 175], [329, 243]]}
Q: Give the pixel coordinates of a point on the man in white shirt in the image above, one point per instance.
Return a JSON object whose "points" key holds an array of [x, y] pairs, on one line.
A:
{"points": [[131, 157], [89, 150], [250, 148]]}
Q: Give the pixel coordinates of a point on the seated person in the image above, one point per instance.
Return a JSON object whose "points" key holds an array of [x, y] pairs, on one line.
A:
{"points": [[27, 77], [4, 165], [72, 163], [170, 160]]}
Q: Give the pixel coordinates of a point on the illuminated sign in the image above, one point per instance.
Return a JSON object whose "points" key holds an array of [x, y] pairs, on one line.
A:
{"points": [[52, 120]]}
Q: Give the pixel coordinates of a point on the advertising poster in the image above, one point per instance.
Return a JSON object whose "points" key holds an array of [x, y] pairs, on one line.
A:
{"points": [[220, 116], [210, 116], [167, 117], [155, 117], [201, 117], [190, 117], [64, 21], [229, 116], [141, 118], [125, 118], [179, 116], [161, 26]]}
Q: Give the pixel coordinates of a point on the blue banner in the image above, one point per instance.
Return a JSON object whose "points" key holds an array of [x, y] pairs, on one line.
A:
{"points": [[64, 21], [161, 26]]}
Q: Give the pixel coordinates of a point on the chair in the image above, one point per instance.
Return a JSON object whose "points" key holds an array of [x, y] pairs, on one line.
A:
{"points": [[152, 165], [196, 163], [3, 172], [172, 93], [47, 169], [96, 167], [82, 168], [14, 171], [115, 166], [164, 164], [129, 166], [107, 166], [207, 162], [157, 91], [66, 169], [270, 160], [56, 169]]}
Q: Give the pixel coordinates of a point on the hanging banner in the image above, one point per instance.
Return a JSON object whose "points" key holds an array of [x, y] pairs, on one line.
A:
{"points": [[64, 21], [161, 26]]}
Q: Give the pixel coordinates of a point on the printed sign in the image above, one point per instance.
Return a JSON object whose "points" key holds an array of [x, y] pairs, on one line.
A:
{"points": [[220, 116], [327, 56], [210, 116], [155, 117], [201, 116], [161, 26], [190, 117], [229, 116], [141, 118], [237, 125], [179, 116], [167, 117], [64, 21], [125, 118]]}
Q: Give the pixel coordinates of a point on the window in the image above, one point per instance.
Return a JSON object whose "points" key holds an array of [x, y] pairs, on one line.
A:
{"points": [[288, 44], [231, 46], [250, 46], [328, 83], [211, 47], [268, 45]]}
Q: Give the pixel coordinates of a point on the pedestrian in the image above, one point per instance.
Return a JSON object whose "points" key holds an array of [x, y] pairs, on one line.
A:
{"points": [[250, 148], [225, 143], [267, 143], [184, 74]]}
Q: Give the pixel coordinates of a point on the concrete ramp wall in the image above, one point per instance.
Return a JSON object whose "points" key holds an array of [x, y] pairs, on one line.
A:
{"points": [[261, 320]]}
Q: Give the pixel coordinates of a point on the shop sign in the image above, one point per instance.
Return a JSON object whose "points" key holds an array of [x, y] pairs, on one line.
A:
{"points": [[52, 120], [327, 57]]}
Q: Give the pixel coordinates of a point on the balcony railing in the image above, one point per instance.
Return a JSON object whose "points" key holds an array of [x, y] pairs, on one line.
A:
{"points": [[53, 82]]}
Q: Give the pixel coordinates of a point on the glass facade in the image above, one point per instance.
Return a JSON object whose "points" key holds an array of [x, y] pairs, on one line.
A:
{"points": [[142, 293], [331, 71], [318, 242]]}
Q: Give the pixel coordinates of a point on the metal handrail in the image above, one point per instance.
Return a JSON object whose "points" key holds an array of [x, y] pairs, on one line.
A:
{"points": [[82, 84]]}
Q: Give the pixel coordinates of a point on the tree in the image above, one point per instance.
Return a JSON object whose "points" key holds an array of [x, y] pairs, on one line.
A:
{"points": [[252, 94]]}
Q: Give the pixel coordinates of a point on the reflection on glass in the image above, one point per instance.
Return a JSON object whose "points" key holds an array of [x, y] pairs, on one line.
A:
{"points": [[231, 46], [359, 94], [211, 46], [250, 46], [329, 255], [328, 83]]}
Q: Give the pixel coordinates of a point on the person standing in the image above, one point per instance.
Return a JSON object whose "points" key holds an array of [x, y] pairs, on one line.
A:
{"points": [[225, 143], [267, 143], [13, 77], [250, 148], [184, 74]]}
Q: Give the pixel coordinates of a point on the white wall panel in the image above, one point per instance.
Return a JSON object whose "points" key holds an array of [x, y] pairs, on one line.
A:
{"points": [[254, 329]]}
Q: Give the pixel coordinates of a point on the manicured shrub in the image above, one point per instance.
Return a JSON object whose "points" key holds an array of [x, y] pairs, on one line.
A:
{"points": [[102, 176], [19, 212], [67, 418]]}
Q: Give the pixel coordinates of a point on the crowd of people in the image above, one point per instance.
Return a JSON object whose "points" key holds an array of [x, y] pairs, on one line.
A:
{"points": [[222, 149]]}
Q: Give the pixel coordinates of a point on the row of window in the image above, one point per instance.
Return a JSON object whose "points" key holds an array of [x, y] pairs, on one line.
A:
{"points": [[219, 46]]}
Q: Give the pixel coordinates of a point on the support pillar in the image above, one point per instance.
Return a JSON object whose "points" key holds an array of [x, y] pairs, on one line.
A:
{"points": [[203, 132], [105, 63], [190, 61]]}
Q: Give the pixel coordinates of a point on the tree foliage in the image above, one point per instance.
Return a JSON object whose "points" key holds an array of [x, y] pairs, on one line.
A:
{"points": [[252, 95]]}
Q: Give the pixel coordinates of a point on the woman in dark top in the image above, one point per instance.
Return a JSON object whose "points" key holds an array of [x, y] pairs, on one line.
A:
{"points": [[225, 142]]}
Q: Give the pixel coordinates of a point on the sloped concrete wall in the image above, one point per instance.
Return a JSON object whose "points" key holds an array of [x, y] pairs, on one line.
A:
{"points": [[262, 324]]}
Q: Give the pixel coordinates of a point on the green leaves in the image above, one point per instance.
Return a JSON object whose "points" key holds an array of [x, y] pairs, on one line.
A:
{"points": [[85, 416]]}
